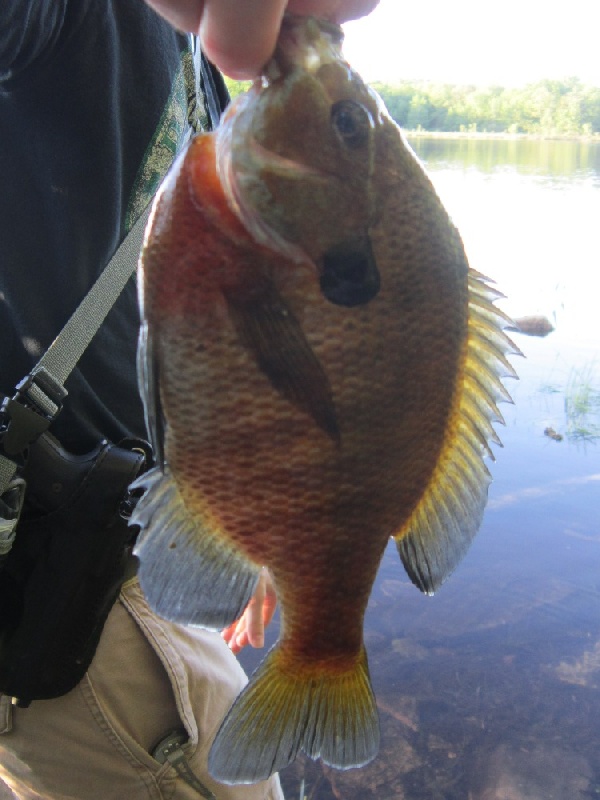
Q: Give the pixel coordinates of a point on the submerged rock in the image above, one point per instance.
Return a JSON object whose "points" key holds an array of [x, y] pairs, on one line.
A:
{"points": [[540, 773], [533, 325]]}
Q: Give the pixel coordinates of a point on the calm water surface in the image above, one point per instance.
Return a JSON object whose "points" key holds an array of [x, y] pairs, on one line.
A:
{"points": [[491, 689]]}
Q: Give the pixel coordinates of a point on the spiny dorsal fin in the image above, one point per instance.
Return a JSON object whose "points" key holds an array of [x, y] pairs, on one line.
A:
{"points": [[449, 513]]}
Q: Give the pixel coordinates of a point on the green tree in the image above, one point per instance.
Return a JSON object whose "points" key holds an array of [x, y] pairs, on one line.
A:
{"points": [[547, 107]]}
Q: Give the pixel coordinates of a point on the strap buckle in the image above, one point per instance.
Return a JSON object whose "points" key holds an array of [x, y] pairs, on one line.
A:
{"points": [[42, 391], [36, 403]]}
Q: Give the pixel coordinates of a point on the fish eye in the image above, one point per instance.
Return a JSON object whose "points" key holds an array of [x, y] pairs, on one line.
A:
{"points": [[352, 122]]}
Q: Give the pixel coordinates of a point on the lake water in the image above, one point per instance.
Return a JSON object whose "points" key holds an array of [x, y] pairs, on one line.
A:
{"points": [[490, 690]]}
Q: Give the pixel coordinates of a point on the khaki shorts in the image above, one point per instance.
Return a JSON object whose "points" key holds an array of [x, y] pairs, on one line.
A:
{"points": [[149, 679]]}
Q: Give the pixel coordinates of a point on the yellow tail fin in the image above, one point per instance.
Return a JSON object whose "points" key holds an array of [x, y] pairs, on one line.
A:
{"points": [[280, 712]]}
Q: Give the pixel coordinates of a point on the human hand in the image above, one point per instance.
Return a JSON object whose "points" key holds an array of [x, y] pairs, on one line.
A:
{"points": [[250, 627], [239, 37]]}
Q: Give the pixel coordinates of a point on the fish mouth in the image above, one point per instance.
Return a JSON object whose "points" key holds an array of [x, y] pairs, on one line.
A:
{"points": [[233, 176], [305, 42], [348, 273], [263, 158]]}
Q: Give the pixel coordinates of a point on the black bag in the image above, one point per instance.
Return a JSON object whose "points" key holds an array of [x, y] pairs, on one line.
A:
{"points": [[63, 560], [66, 566], [63, 554]]}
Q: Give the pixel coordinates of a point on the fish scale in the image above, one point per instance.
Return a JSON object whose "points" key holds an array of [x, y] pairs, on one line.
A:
{"points": [[318, 377]]}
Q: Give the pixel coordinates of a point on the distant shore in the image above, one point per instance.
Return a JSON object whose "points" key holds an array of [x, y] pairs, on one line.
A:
{"points": [[501, 136]]}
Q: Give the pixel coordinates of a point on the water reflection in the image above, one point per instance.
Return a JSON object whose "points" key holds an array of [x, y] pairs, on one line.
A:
{"points": [[534, 232], [490, 689], [544, 158]]}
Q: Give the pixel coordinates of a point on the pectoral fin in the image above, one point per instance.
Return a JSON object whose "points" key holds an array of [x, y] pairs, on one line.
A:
{"points": [[271, 332]]}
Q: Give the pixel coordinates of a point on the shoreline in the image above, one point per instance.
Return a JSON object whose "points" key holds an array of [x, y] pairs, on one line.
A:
{"points": [[501, 136]]}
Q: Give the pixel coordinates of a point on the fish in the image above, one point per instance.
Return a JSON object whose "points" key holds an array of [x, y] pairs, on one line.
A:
{"points": [[321, 372]]}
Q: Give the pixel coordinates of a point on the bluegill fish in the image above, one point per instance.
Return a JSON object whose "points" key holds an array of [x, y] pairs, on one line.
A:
{"points": [[321, 372]]}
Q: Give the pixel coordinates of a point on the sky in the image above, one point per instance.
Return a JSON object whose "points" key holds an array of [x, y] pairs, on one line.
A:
{"points": [[506, 43]]}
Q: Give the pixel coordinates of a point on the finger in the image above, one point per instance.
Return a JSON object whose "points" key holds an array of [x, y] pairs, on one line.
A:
{"points": [[270, 601], [183, 14], [240, 37], [229, 632], [335, 10], [353, 9], [240, 642], [235, 635], [254, 632]]}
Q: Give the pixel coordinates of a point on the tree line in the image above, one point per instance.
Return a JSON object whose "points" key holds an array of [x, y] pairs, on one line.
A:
{"points": [[547, 107]]}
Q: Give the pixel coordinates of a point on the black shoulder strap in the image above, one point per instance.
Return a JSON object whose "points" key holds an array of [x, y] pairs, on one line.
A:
{"points": [[39, 396]]}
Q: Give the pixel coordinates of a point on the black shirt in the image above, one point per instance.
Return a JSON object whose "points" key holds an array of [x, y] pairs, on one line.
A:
{"points": [[94, 103]]}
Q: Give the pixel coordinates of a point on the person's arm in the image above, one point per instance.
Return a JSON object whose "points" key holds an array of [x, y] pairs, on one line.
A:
{"points": [[239, 38], [28, 29]]}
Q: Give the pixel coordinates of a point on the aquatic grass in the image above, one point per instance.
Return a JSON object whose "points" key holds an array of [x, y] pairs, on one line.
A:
{"points": [[549, 388], [582, 405]]}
